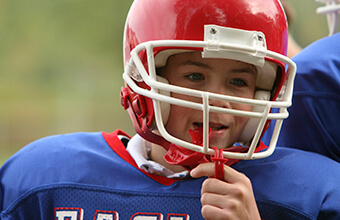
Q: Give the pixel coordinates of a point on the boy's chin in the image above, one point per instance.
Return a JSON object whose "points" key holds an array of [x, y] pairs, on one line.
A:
{"points": [[221, 142]]}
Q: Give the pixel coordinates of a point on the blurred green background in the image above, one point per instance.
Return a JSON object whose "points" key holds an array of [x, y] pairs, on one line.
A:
{"points": [[61, 65]]}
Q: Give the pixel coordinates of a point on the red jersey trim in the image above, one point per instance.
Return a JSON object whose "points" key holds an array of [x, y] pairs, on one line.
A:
{"points": [[118, 147]]}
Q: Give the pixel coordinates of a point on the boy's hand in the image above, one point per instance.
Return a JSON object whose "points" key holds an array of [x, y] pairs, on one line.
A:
{"points": [[232, 198]]}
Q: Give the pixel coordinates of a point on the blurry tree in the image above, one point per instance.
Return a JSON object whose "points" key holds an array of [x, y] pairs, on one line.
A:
{"points": [[307, 26], [60, 69]]}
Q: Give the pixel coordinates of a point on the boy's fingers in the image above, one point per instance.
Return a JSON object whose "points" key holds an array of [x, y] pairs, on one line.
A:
{"points": [[208, 169]]}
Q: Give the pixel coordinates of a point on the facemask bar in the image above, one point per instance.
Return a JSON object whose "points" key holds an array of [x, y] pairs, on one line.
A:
{"points": [[151, 80], [331, 10]]}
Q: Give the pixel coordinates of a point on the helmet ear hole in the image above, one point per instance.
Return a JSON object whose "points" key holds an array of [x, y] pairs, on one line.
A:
{"points": [[252, 124]]}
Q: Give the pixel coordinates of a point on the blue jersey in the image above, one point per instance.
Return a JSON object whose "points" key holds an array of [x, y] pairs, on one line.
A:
{"points": [[92, 176], [313, 123]]}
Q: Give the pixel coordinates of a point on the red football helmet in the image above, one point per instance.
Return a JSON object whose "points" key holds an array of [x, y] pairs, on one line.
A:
{"points": [[253, 32]]}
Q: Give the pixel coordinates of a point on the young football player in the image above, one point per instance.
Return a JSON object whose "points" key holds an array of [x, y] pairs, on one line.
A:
{"points": [[201, 77]]}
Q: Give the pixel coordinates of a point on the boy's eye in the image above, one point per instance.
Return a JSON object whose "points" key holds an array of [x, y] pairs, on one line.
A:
{"points": [[238, 82], [195, 76]]}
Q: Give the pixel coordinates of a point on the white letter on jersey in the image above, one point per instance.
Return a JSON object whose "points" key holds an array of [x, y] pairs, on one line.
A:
{"points": [[147, 216], [69, 213], [106, 215], [178, 217]]}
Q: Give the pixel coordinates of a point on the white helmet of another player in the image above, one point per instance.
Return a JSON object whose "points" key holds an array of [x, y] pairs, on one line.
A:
{"points": [[331, 9]]}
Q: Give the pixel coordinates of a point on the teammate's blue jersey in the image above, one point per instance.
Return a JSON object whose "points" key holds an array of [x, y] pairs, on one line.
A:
{"points": [[313, 123], [92, 176]]}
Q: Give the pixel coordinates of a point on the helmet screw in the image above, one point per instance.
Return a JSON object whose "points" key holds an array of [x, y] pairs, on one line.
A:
{"points": [[213, 30]]}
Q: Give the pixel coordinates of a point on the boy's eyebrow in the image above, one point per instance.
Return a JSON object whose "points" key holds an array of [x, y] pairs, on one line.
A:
{"points": [[251, 69], [195, 63], [245, 70]]}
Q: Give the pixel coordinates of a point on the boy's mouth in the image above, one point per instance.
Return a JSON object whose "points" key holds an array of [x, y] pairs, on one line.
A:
{"points": [[213, 126]]}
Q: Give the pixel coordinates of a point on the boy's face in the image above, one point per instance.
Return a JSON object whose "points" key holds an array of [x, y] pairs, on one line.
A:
{"points": [[222, 76]]}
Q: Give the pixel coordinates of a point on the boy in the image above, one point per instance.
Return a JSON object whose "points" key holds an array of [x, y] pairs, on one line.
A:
{"points": [[198, 87]]}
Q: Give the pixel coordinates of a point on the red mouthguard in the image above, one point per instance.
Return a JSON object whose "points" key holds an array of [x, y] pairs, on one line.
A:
{"points": [[178, 155]]}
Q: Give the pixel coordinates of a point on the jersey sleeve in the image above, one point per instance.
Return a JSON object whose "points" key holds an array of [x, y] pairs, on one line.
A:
{"points": [[55, 159]]}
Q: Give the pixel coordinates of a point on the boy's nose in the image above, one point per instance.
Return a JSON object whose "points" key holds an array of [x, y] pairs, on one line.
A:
{"points": [[219, 89], [219, 103]]}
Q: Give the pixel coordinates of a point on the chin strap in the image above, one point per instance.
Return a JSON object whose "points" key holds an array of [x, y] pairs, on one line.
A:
{"points": [[220, 160], [189, 159], [219, 163]]}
